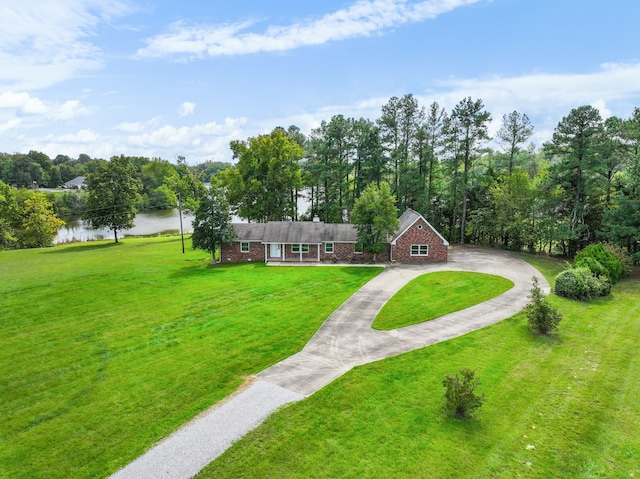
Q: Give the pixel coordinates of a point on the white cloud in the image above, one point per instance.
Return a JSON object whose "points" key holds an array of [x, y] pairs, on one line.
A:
{"points": [[601, 106], [44, 42], [187, 108], [9, 125], [539, 91], [198, 142], [170, 136], [139, 127], [545, 98], [71, 109], [85, 136], [22, 102], [361, 19]]}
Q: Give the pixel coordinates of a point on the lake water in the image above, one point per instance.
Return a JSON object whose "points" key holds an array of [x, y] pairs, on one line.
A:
{"points": [[146, 223]]}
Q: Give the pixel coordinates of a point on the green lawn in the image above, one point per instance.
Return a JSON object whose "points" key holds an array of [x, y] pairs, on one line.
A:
{"points": [[108, 348], [435, 294], [561, 407]]}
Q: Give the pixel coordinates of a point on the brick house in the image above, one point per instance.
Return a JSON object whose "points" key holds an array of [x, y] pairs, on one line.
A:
{"points": [[417, 241], [314, 241]]}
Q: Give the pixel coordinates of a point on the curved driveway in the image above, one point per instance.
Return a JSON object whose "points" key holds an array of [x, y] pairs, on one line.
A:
{"points": [[344, 341]]}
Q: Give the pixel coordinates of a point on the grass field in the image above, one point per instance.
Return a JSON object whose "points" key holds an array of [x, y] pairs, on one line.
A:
{"points": [[436, 294], [563, 407], [106, 348]]}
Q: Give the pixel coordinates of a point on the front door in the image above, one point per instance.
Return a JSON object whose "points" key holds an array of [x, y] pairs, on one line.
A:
{"points": [[274, 250]]}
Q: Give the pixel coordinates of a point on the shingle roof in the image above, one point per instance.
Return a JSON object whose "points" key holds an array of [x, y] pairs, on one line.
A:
{"points": [[74, 183], [295, 232], [407, 219], [314, 232], [249, 231]]}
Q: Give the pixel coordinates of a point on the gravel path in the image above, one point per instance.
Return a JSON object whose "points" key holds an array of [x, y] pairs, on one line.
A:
{"points": [[188, 450], [344, 341]]}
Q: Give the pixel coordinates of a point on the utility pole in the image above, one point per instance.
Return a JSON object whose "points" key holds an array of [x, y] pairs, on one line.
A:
{"points": [[180, 211]]}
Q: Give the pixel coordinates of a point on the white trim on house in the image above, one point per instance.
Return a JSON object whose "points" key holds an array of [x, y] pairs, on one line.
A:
{"points": [[420, 250], [300, 247], [395, 239]]}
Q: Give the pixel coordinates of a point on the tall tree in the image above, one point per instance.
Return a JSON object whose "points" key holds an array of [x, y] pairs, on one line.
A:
{"points": [[369, 162], [513, 202], [260, 185], [329, 165], [375, 217], [516, 130], [212, 223], [613, 154], [428, 157], [467, 128], [576, 148], [621, 222], [399, 123], [112, 192]]}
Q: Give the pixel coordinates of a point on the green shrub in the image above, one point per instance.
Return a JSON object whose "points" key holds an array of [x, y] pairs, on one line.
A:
{"points": [[579, 283], [592, 264], [543, 318], [460, 398], [625, 258], [607, 259]]}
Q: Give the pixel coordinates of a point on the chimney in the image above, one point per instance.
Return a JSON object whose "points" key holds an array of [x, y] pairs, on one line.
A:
{"points": [[316, 219]]}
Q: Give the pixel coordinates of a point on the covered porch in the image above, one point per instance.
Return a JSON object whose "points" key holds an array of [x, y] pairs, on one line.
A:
{"points": [[292, 252]]}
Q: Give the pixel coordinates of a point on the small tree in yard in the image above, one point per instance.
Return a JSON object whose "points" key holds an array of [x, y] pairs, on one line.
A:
{"points": [[375, 217], [212, 224], [543, 318], [461, 400], [112, 192]]}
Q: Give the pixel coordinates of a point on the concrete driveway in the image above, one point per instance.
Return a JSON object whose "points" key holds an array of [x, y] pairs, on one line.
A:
{"points": [[344, 341]]}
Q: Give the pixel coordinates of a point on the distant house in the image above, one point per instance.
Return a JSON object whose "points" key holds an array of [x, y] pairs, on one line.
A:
{"points": [[76, 183], [314, 241]]}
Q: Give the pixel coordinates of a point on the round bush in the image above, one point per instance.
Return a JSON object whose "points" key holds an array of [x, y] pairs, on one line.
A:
{"points": [[579, 283], [603, 256]]}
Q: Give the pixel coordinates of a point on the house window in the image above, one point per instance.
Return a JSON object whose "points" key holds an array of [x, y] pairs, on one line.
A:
{"points": [[419, 227], [328, 247], [244, 246], [419, 250], [297, 248], [357, 248]]}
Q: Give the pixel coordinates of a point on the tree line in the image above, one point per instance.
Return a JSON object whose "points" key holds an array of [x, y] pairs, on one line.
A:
{"points": [[115, 190], [581, 187], [26, 170]]}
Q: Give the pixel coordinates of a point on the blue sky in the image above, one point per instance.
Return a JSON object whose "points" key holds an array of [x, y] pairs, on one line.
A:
{"points": [[166, 78]]}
